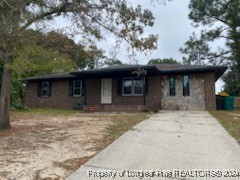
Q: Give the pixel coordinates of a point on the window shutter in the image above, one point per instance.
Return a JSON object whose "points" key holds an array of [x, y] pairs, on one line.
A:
{"points": [[70, 88], [50, 89], [39, 89], [146, 85], [83, 87], [119, 86]]}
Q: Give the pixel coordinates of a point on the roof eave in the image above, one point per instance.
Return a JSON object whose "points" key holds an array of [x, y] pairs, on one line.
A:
{"points": [[218, 71], [41, 78], [112, 70]]}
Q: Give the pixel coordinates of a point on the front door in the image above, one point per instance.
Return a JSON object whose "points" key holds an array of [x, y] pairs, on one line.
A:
{"points": [[106, 91]]}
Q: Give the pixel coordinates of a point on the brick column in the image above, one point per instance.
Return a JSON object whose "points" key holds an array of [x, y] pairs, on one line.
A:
{"points": [[209, 86]]}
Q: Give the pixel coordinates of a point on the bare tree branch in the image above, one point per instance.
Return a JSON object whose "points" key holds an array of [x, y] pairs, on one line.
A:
{"points": [[40, 16]]}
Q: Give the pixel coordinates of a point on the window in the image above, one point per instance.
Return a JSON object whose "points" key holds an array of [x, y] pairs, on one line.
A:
{"points": [[133, 87], [77, 86], [127, 87], [172, 86], [186, 85], [138, 87], [45, 89]]}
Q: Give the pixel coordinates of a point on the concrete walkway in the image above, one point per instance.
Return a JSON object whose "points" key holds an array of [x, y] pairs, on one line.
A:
{"points": [[169, 145]]}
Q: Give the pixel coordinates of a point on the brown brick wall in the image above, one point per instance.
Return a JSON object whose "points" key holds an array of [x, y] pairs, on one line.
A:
{"points": [[210, 98], [153, 99], [59, 97], [124, 100], [93, 91], [94, 94]]}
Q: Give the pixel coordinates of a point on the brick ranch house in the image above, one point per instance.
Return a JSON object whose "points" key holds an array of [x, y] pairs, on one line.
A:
{"points": [[122, 88]]}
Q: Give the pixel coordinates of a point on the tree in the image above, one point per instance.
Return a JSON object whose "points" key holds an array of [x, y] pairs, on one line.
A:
{"points": [[112, 62], [163, 61], [221, 21], [34, 60], [82, 56], [91, 19], [197, 51], [90, 58], [232, 80]]}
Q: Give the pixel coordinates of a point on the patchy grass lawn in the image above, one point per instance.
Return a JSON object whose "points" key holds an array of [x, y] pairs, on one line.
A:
{"points": [[230, 120], [52, 143]]}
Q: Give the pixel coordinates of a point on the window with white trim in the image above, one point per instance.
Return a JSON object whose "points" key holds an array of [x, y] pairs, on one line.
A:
{"points": [[133, 87], [77, 88], [45, 89]]}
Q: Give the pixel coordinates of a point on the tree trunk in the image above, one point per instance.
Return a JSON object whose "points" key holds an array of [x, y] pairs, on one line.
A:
{"points": [[6, 88]]}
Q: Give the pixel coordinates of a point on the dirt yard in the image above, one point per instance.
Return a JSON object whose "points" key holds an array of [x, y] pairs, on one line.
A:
{"points": [[52, 145]]}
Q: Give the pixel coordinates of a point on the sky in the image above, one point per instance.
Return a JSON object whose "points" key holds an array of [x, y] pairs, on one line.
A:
{"points": [[172, 26]]}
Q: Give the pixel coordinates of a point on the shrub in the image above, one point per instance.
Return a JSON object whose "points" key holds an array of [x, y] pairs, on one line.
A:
{"points": [[155, 110], [78, 106]]}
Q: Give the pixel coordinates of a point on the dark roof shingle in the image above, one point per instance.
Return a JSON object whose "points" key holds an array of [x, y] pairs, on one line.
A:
{"points": [[160, 69], [51, 76]]}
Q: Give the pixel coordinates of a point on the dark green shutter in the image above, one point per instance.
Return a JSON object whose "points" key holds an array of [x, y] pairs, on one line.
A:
{"points": [[70, 88], [50, 89], [119, 86], [39, 89], [146, 85], [83, 87]]}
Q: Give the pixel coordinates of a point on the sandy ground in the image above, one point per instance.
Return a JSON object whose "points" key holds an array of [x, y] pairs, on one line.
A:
{"points": [[41, 146]]}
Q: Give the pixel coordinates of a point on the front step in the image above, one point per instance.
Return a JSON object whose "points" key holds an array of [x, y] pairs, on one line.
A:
{"points": [[93, 108]]}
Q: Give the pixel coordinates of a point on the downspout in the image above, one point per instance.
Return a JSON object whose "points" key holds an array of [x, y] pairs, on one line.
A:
{"points": [[144, 87], [85, 97], [144, 90]]}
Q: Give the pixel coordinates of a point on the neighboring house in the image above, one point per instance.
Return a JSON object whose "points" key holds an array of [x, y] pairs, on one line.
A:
{"points": [[123, 88]]}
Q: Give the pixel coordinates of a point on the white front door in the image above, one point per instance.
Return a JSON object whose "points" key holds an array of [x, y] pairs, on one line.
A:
{"points": [[106, 91]]}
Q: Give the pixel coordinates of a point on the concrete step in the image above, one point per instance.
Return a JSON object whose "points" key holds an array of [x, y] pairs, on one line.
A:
{"points": [[93, 108]]}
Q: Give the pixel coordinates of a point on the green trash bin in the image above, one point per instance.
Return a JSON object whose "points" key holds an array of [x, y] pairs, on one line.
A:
{"points": [[229, 103]]}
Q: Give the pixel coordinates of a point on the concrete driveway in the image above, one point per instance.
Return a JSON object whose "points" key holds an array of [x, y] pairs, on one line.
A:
{"points": [[169, 145]]}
